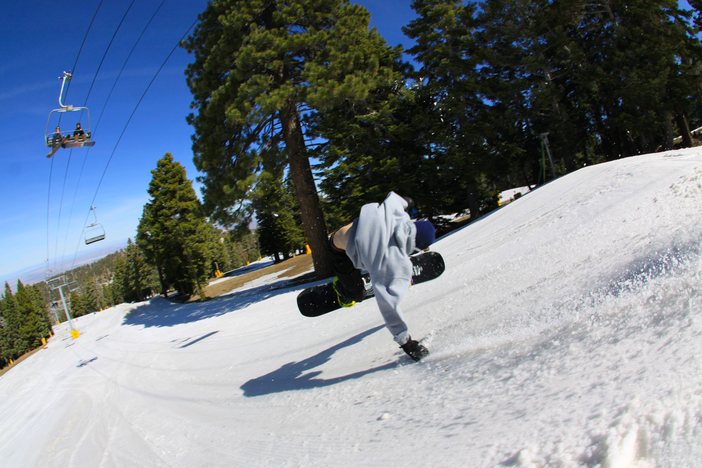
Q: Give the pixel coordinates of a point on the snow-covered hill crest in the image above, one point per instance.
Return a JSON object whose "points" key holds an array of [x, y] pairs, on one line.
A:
{"points": [[565, 332]]}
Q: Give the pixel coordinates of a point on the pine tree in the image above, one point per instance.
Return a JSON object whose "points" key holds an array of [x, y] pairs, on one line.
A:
{"points": [[278, 230], [598, 79], [12, 345], [649, 58], [257, 67], [76, 306], [32, 323], [90, 298], [216, 250], [371, 148], [172, 232], [140, 275], [120, 282], [41, 308], [108, 296], [459, 153]]}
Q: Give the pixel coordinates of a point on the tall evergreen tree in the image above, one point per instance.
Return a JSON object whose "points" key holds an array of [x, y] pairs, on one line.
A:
{"points": [[215, 249], [42, 309], [459, 148], [648, 56], [107, 295], [76, 305], [90, 297], [32, 318], [120, 282], [133, 278], [12, 345], [258, 66], [172, 232], [140, 278], [598, 79], [278, 230]]}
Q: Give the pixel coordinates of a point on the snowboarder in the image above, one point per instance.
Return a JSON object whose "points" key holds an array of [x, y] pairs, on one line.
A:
{"points": [[381, 240], [57, 137], [78, 133]]}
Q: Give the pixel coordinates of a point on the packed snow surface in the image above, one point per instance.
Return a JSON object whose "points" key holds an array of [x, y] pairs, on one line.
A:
{"points": [[565, 332]]}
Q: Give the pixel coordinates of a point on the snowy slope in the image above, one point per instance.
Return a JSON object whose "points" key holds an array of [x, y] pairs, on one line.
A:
{"points": [[565, 332]]}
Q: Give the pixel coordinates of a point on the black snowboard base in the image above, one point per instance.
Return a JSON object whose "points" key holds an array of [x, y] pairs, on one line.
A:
{"points": [[322, 299]]}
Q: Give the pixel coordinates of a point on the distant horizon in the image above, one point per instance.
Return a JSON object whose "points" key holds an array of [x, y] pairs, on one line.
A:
{"points": [[37, 273]]}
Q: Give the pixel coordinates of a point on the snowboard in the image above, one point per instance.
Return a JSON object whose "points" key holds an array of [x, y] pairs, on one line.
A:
{"points": [[56, 147], [322, 299], [67, 143]]}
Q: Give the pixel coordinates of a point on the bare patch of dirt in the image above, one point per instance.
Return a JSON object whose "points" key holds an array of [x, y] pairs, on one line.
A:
{"points": [[20, 359], [286, 269]]}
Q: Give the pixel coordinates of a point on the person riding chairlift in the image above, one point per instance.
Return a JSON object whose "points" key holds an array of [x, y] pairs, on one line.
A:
{"points": [[78, 133], [57, 136]]}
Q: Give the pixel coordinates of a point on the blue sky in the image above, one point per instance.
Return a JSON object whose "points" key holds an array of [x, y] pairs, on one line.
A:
{"points": [[46, 202]]}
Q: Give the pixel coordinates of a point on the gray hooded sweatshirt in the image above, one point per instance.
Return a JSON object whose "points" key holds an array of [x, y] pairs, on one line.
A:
{"points": [[380, 241]]}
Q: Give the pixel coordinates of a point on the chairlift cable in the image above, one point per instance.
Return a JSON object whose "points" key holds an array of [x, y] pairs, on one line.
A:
{"points": [[126, 125], [124, 65], [85, 157], [103, 109], [85, 38], [97, 72], [136, 108], [75, 64]]}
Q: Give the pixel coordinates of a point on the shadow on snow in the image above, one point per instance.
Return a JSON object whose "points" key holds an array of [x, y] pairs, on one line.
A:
{"points": [[159, 312], [296, 375]]}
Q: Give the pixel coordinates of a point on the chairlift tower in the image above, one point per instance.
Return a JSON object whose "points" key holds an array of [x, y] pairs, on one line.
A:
{"points": [[59, 283], [52, 309]]}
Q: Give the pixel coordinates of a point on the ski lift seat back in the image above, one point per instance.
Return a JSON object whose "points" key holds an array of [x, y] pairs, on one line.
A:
{"points": [[94, 233], [69, 141]]}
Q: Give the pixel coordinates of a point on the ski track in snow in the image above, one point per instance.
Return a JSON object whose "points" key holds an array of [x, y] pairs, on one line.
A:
{"points": [[565, 332]]}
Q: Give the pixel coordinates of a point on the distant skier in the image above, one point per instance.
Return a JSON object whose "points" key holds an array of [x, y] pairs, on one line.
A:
{"points": [[381, 240]]}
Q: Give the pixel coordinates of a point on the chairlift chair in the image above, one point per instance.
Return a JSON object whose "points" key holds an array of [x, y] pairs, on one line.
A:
{"points": [[66, 139], [94, 232]]}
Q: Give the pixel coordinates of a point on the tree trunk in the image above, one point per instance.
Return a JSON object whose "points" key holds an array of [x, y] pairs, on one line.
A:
{"points": [[301, 173], [684, 130], [164, 289], [668, 128], [473, 201]]}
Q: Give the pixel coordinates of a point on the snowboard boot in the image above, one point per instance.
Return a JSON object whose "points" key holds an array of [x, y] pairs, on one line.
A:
{"points": [[341, 295], [415, 350]]}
